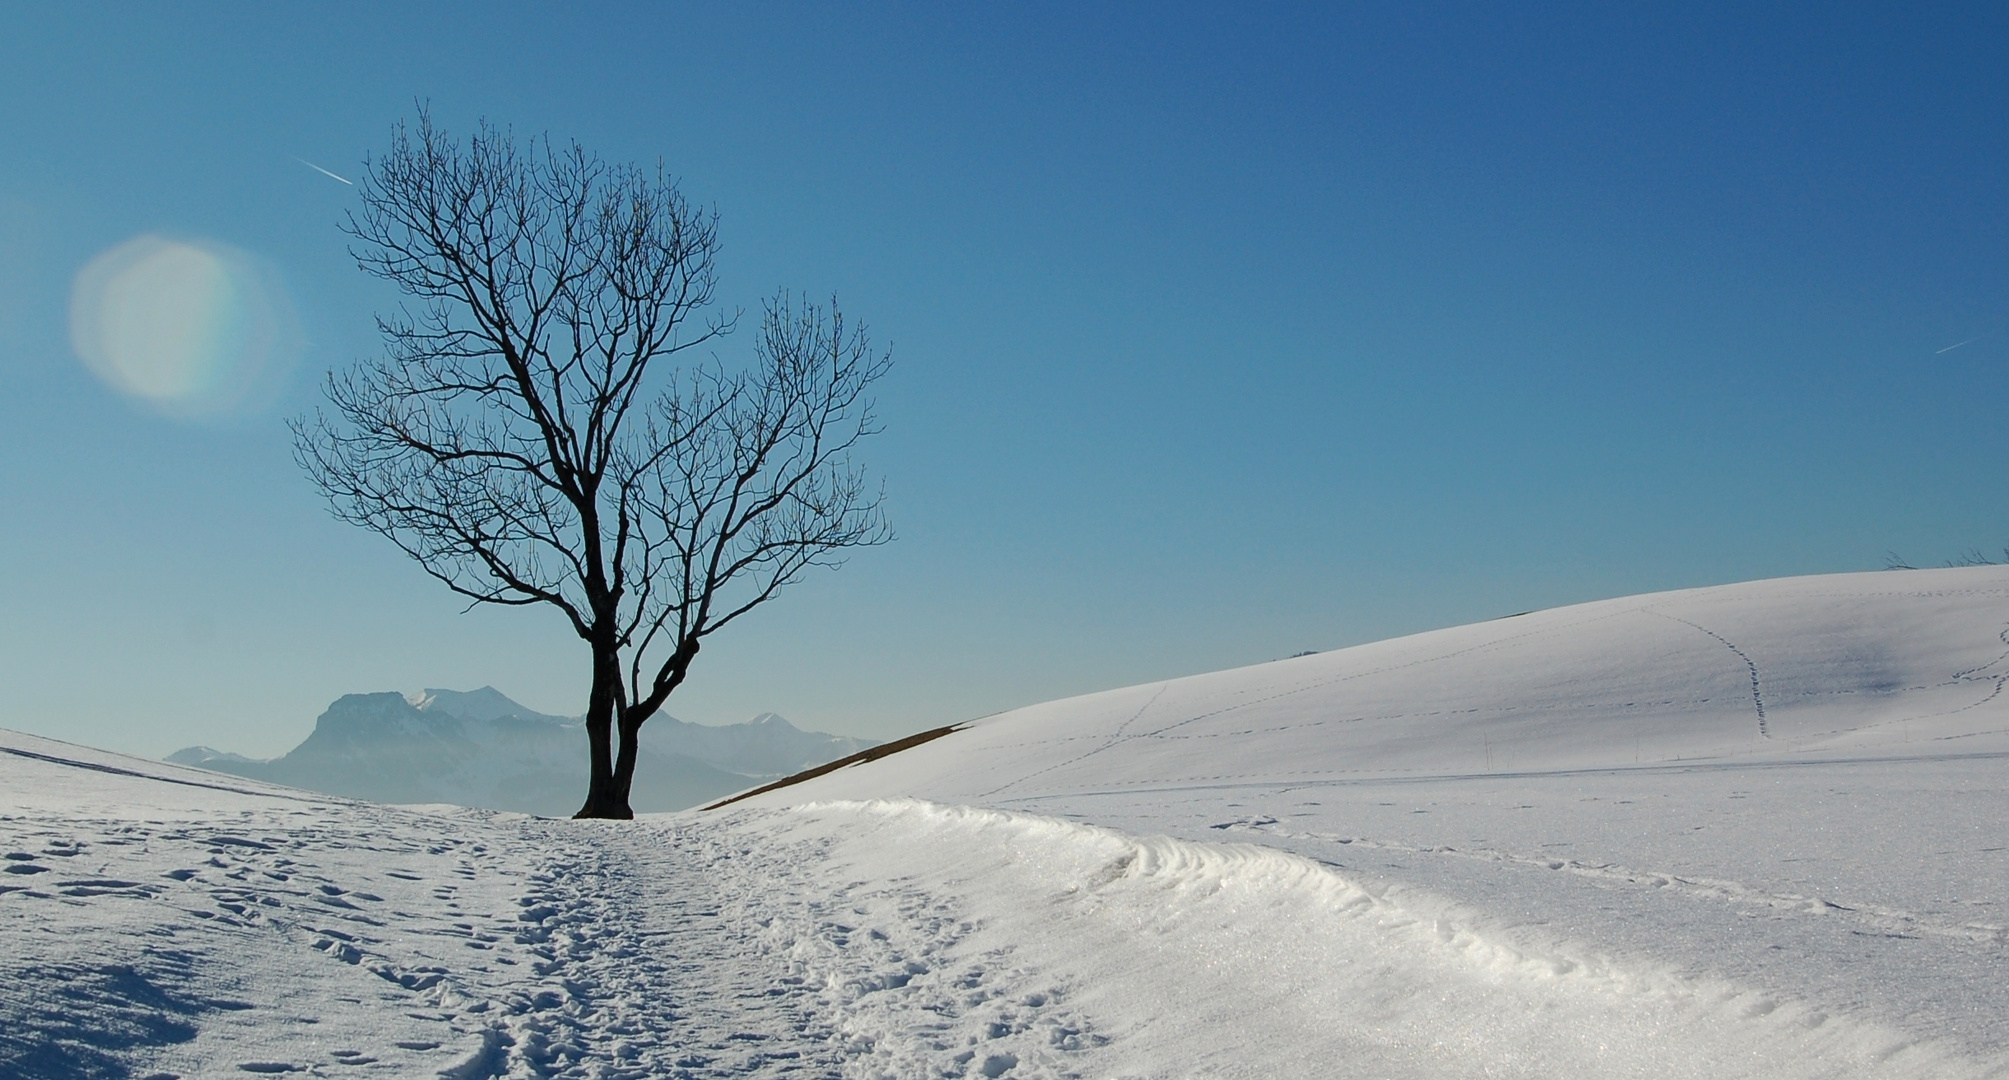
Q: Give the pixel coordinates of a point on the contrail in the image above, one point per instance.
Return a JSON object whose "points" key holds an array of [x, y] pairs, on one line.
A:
{"points": [[324, 172], [1948, 349]]}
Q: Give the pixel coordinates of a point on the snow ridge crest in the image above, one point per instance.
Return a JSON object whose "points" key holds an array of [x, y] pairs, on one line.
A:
{"points": [[1395, 976]]}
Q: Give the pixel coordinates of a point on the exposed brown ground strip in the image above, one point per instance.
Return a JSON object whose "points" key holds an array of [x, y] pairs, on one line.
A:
{"points": [[860, 757]]}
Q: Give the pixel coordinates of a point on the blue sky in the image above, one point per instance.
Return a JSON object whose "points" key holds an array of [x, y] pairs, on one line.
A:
{"points": [[1218, 336]]}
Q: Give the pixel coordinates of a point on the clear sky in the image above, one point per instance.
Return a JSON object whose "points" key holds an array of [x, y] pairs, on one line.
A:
{"points": [[1218, 335]]}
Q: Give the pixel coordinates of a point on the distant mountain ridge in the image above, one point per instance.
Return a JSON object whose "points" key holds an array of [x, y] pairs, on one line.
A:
{"points": [[479, 748]]}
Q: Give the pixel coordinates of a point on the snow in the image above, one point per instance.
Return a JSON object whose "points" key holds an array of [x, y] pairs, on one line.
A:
{"points": [[1755, 830]]}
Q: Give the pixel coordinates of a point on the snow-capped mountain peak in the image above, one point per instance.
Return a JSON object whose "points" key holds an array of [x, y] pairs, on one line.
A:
{"points": [[481, 705]]}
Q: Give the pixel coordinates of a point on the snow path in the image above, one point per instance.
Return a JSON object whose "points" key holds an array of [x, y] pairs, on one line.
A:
{"points": [[154, 925]]}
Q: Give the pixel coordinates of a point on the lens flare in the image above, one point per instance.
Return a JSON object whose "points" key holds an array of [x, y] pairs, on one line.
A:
{"points": [[191, 328]]}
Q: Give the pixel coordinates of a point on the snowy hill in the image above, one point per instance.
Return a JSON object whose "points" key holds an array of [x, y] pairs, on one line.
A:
{"points": [[1799, 786], [479, 748], [1906, 664], [1749, 831]]}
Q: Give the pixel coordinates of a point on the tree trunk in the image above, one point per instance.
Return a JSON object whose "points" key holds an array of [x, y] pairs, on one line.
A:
{"points": [[629, 719], [607, 783], [610, 714], [629, 729]]}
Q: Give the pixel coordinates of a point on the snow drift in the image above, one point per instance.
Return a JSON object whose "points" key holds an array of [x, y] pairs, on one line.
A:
{"points": [[1183, 959]]}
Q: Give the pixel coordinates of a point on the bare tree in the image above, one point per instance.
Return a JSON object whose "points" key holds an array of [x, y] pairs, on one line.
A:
{"points": [[519, 438]]}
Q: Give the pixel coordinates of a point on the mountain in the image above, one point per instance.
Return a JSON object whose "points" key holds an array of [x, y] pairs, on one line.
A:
{"points": [[479, 748], [202, 756], [764, 747]]}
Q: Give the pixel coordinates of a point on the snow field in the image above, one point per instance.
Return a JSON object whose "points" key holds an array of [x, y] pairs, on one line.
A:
{"points": [[1752, 831], [1787, 791], [1239, 960], [281, 933]]}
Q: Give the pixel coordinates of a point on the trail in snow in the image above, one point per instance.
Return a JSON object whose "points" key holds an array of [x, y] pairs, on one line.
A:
{"points": [[1757, 685], [301, 942], [145, 932]]}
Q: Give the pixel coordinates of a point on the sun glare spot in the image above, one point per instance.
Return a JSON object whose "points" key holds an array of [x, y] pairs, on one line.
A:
{"points": [[191, 328]]}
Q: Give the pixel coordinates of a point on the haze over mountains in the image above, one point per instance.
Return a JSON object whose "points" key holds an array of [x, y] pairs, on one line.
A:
{"points": [[479, 748]]}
